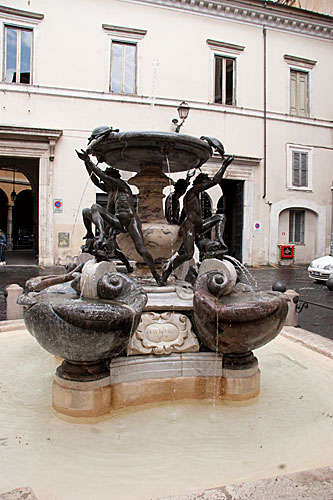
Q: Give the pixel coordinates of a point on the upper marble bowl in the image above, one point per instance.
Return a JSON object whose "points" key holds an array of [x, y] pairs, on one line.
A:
{"points": [[133, 150]]}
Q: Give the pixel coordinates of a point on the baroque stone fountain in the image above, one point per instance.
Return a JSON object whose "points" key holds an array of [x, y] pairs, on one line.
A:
{"points": [[175, 329]]}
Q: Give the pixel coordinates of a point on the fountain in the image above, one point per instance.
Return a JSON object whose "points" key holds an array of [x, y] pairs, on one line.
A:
{"points": [[171, 331]]}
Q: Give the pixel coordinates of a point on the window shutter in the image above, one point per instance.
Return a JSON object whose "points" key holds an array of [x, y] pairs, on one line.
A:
{"points": [[304, 169], [218, 79], [293, 85], [296, 168], [302, 91]]}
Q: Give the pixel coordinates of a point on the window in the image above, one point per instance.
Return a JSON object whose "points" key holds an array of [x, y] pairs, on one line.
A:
{"points": [[123, 68], [124, 56], [224, 57], [299, 104], [300, 169], [300, 71], [18, 55], [224, 80], [296, 226]]}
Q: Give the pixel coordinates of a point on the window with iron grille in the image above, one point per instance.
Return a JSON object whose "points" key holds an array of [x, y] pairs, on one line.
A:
{"points": [[296, 226]]}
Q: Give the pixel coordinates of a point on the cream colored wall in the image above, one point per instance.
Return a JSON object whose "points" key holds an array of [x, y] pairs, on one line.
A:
{"points": [[70, 93], [303, 252]]}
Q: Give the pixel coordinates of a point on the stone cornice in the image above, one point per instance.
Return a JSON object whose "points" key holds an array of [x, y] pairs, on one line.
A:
{"points": [[122, 31], [256, 12], [36, 134], [300, 61], [226, 47], [20, 15]]}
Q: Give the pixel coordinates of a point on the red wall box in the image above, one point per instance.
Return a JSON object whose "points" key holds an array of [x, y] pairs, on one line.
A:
{"points": [[287, 251]]}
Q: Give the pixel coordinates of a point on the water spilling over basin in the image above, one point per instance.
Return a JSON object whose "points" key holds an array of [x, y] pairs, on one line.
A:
{"points": [[238, 322]]}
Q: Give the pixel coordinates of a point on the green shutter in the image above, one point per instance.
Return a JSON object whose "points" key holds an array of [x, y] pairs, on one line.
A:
{"points": [[296, 168], [304, 169], [293, 86], [302, 92]]}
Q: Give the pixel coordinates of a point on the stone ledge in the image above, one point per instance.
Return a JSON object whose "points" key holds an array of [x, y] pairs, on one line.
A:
{"points": [[310, 340], [315, 484], [10, 325], [24, 493]]}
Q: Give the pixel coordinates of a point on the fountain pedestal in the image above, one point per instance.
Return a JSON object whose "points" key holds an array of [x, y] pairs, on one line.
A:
{"points": [[81, 399]]}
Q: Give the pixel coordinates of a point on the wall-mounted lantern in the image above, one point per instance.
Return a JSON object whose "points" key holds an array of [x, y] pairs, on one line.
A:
{"points": [[183, 111]]}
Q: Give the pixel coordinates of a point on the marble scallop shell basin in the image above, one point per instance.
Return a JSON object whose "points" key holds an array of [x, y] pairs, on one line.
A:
{"points": [[85, 330], [133, 150], [238, 322]]}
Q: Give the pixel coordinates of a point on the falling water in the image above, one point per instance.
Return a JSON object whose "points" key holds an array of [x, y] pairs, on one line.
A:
{"points": [[215, 387], [79, 206], [170, 191], [155, 63], [245, 272], [174, 414]]}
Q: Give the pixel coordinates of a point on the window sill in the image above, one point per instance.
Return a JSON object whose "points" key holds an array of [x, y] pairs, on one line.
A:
{"points": [[299, 116], [226, 105], [303, 189], [123, 93]]}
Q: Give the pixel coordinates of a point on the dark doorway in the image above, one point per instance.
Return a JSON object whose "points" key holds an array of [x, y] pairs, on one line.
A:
{"points": [[3, 211], [20, 181], [23, 221], [231, 204], [206, 209]]}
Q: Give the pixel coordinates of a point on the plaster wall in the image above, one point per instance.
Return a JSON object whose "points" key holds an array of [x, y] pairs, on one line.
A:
{"points": [[303, 252], [70, 93]]}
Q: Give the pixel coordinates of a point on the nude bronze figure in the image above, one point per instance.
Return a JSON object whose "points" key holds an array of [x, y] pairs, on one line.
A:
{"points": [[122, 217], [172, 205], [194, 224]]}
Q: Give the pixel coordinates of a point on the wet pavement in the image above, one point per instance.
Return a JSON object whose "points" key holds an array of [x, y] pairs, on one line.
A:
{"points": [[21, 266], [317, 319]]}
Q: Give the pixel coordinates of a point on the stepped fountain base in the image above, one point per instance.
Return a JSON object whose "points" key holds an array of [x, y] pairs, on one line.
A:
{"points": [[137, 380]]}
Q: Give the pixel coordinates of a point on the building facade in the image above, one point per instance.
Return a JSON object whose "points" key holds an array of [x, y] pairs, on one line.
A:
{"points": [[257, 75]]}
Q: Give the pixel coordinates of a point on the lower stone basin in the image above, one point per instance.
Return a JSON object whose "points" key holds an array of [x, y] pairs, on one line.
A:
{"points": [[237, 323], [84, 331]]}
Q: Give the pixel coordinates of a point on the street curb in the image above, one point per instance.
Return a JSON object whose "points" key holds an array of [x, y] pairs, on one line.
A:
{"points": [[11, 325], [310, 340]]}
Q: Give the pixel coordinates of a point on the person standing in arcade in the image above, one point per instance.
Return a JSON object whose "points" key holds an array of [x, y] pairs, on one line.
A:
{"points": [[3, 247]]}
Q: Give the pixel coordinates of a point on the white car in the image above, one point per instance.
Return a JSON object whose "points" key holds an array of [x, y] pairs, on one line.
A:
{"points": [[322, 268]]}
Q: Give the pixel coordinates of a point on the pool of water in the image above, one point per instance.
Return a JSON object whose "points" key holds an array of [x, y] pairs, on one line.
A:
{"points": [[156, 450]]}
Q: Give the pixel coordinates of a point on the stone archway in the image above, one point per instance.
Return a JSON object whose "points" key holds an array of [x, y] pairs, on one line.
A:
{"points": [[282, 205]]}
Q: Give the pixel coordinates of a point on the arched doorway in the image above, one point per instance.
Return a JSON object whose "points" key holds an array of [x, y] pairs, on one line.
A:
{"points": [[298, 226]]}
